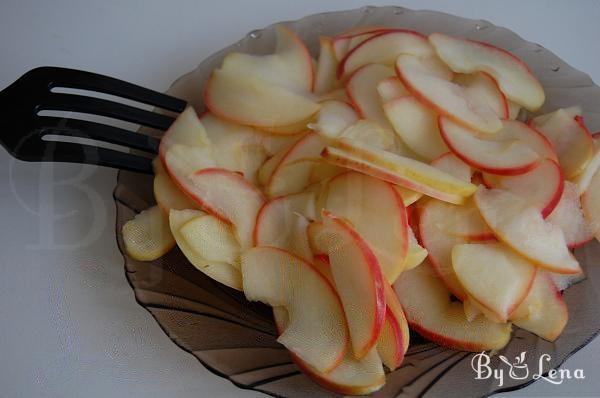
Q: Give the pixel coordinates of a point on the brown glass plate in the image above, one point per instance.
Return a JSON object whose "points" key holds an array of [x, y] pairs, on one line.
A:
{"points": [[236, 339]]}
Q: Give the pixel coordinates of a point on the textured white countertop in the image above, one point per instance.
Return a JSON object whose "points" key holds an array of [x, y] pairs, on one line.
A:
{"points": [[69, 324]]}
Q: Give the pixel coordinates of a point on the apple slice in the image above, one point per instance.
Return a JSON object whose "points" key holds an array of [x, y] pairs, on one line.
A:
{"points": [[399, 170], [275, 220], [433, 226], [391, 88], [383, 48], [542, 187], [325, 78], [416, 253], [447, 98], [493, 275], [523, 228], [362, 91], [590, 202], [147, 236], [565, 281], [568, 216], [572, 141], [346, 42], [358, 280], [322, 171], [584, 179], [333, 118], [416, 125], [377, 213], [571, 111], [255, 102], [228, 196], [166, 193], [514, 110], [497, 156], [316, 330], [222, 272], [452, 165], [394, 337], [408, 195], [290, 66], [370, 133], [352, 376], [543, 312], [212, 239], [481, 87], [186, 130], [431, 313], [512, 75]]}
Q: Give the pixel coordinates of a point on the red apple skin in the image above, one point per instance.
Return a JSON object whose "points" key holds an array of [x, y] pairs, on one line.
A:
{"points": [[375, 271], [233, 175], [342, 64], [504, 171], [446, 341]]}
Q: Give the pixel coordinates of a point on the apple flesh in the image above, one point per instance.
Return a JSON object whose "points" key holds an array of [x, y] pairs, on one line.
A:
{"points": [[482, 88], [523, 228], [370, 133], [568, 216], [377, 213], [431, 313], [590, 202], [352, 376], [416, 253], [316, 330], [493, 275], [542, 186], [543, 312], [400, 170], [512, 75], [212, 239], [362, 91], [358, 280], [452, 165], [227, 274], [573, 143], [504, 157], [326, 69], [445, 97], [391, 88], [186, 130], [394, 337], [383, 48], [416, 125], [334, 117], [147, 236], [166, 193], [228, 196]]}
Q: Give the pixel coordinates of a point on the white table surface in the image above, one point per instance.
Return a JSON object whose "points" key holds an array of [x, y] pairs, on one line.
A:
{"points": [[69, 324]]}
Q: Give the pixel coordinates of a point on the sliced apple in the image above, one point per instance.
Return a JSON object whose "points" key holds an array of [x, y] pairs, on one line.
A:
{"points": [[322, 171], [399, 170], [377, 213], [333, 118], [416, 253], [325, 78], [493, 275], [352, 376], [212, 239], [383, 48], [255, 102], [316, 330], [447, 98], [345, 42], [318, 243], [584, 179], [147, 236], [166, 193], [358, 280], [543, 312], [523, 228], [564, 281], [391, 88], [408, 195], [590, 202], [276, 219], [512, 75], [568, 216], [542, 187], [394, 337], [571, 140], [481, 87], [571, 111], [514, 110], [452, 165], [186, 130], [228, 196], [362, 91], [505, 157], [222, 272], [338, 94], [416, 125], [290, 66], [432, 313], [371, 133]]}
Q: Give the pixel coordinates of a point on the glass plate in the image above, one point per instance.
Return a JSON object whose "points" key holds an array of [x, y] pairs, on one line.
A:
{"points": [[236, 339]]}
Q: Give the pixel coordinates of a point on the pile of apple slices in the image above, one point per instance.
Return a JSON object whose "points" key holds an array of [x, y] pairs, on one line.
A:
{"points": [[391, 183]]}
